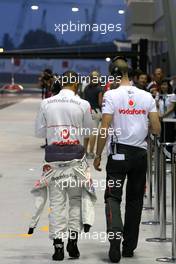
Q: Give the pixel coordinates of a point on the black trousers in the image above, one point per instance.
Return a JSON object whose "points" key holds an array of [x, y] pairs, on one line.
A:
{"points": [[170, 134], [134, 167]]}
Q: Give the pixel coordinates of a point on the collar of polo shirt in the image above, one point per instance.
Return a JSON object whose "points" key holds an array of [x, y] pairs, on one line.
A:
{"points": [[66, 91]]}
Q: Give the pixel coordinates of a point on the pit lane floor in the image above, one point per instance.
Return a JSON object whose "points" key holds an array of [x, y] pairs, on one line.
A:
{"points": [[20, 165]]}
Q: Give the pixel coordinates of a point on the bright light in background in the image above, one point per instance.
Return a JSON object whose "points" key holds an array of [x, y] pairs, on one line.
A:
{"points": [[121, 12], [1, 50], [75, 9], [108, 59], [34, 7]]}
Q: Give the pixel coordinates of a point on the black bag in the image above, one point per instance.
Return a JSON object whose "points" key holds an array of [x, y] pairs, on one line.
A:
{"points": [[63, 152]]}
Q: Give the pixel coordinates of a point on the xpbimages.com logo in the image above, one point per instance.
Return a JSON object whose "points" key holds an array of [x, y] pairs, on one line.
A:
{"points": [[101, 80], [82, 27], [93, 235]]}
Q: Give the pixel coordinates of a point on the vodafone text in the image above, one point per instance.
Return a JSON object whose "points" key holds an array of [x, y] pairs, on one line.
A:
{"points": [[132, 111]]}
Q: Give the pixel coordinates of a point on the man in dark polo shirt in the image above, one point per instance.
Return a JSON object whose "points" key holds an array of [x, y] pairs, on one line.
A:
{"points": [[93, 94]]}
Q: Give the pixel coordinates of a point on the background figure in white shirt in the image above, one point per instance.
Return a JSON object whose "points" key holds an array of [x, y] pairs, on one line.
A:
{"points": [[166, 100], [127, 110], [166, 107], [61, 120]]}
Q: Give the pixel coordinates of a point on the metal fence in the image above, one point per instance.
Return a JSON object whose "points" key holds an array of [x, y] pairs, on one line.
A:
{"points": [[156, 185]]}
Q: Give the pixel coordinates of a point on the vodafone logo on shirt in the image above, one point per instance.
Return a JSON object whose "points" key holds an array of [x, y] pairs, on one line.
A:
{"points": [[131, 103], [66, 139], [65, 134], [131, 110]]}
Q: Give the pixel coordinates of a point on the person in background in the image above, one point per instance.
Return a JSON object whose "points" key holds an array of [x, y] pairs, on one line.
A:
{"points": [[166, 103], [46, 80], [158, 76], [56, 86], [93, 94], [82, 87], [166, 108], [173, 83], [142, 81], [110, 84], [134, 76]]}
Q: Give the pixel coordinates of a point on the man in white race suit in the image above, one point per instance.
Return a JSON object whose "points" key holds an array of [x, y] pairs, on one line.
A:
{"points": [[62, 119]]}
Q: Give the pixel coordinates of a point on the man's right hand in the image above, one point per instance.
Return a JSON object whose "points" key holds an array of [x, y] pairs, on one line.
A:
{"points": [[96, 164]]}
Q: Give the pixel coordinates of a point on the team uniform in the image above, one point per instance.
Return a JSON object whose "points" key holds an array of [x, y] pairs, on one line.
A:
{"points": [[60, 120], [127, 156]]}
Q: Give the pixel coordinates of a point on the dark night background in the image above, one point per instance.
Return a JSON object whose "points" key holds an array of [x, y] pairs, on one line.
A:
{"points": [[22, 27]]}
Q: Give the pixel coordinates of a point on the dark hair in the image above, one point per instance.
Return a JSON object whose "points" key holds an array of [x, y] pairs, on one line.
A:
{"points": [[118, 66], [170, 90], [48, 71], [70, 77], [47, 74], [56, 87], [143, 73], [119, 58]]}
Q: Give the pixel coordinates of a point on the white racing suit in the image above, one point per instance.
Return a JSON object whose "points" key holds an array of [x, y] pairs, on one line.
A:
{"points": [[62, 178], [61, 119]]}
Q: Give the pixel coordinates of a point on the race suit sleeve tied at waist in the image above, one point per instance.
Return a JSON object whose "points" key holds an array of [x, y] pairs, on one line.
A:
{"points": [[56, 152]]}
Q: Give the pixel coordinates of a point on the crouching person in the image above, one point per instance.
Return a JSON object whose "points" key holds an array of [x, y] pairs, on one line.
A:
{"points": [[61, 120]]}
